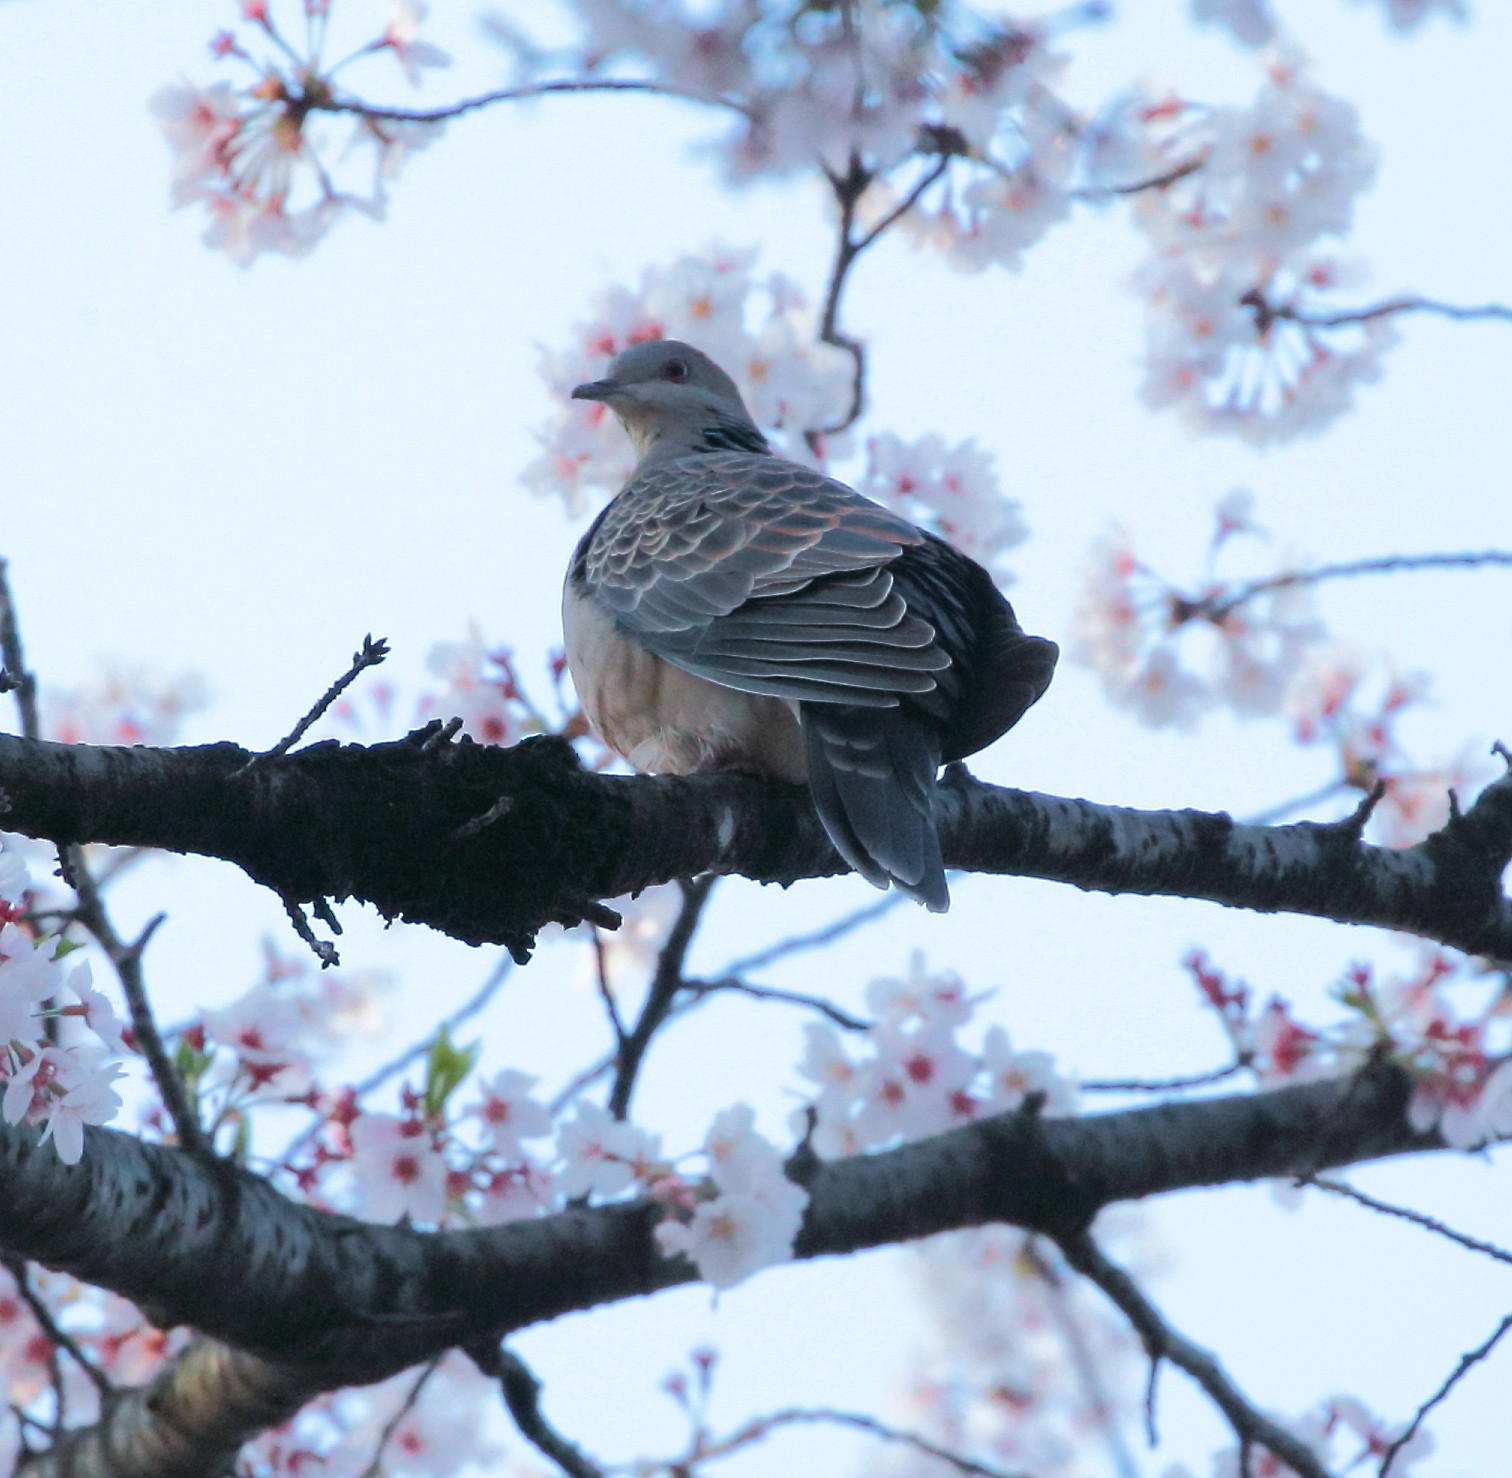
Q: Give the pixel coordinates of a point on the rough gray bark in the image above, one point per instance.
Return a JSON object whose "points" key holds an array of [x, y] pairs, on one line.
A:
{"points": [[489, 844]]}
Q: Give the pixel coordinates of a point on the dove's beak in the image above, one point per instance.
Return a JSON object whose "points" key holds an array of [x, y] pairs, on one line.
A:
{"points": [[595, 390]]}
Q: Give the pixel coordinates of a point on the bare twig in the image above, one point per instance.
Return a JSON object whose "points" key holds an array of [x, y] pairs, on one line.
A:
{"points": [[1410, 304], [14, 677], [1466, 1362], [606, 994], [127, 960], [1273, 814], [698, 989], [375, 1468], [322, 949], [1216, 609], [817, 939], [665, 984], [335, 104], [522, 1395], [1083, 1360], [370, 654], [60, 1337], [1155, 182], [1162, 1342], [759, 1427], [1406, 1213], [849, 188], [1168, 1085]]}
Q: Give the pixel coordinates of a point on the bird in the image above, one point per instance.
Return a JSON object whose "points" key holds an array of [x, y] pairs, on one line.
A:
{"points": [[731, 610]]}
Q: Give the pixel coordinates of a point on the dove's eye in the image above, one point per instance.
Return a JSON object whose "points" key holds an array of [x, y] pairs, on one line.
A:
{"points": [[675, 369]]}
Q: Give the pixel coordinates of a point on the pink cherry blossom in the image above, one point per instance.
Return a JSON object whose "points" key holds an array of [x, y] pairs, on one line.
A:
{"points": [[508, 1112], [398, 1168]]}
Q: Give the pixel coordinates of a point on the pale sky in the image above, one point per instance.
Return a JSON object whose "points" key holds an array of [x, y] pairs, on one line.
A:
{"points": [[241, 472]]}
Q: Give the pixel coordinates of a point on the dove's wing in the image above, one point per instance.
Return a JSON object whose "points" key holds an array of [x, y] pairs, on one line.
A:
{"points": [[760, 574]]}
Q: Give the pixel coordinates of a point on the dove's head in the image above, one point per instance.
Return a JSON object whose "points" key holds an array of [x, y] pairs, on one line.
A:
{"points": [[674, 400]]}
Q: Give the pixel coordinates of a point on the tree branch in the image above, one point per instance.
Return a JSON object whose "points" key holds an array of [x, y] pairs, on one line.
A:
{"points": [[665, 983], [322, 1300], [1162, 1342], [324, 822]]}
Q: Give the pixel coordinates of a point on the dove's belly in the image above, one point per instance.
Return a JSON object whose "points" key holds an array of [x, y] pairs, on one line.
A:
{"points": [[667, 721]]}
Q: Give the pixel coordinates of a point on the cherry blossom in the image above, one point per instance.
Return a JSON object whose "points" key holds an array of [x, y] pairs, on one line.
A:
{"points": [[123, 704], [261, 157], [953, 491], [754, 1214], [399, 1171], [1236, 269], [509, 1113], [602, 1156], [480, 689], [913, 1078]]}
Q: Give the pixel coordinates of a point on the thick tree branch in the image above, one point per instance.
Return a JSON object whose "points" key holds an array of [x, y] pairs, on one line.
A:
{"points": [[351, 1301], [382, 824], [322, 1301]]}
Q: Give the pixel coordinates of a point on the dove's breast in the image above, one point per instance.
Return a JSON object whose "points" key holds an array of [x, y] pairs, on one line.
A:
{"points": [[667, 721]]}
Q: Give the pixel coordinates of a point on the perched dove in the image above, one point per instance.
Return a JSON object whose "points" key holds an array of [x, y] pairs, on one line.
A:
{"points": [[734, 610]]}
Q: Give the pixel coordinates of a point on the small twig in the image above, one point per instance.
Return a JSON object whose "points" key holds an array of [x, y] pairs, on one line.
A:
{"points": [[1156, 182], [903, 207], [1162, 1342], [848, 188], [1084, 1362], [665, 984], [1466, 1362], [1406, 1213], [501, 807], [1217, 610], [798, 943], [1168, 1085], [700, 988], [522, 1395], [60, 1337], [322, 949], [127, 961], [13, 670], [758, 1427], [1410, 304], [375, 1468], [371, 654], [606, 995], [514, 94], [1273, 814]]}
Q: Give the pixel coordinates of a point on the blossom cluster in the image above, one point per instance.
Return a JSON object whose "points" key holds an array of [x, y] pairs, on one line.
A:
{"points": [[1236, 282], [1460, 1063], [875, 92], [275, 158], [61, 1083], [912, 1078], [1171, 655]]}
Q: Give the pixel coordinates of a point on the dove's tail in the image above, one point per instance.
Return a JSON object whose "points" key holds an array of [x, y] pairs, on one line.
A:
{"points": [[871, 772]]}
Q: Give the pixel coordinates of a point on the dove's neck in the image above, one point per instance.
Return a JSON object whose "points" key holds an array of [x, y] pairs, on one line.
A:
{"points": [[666, 439]]}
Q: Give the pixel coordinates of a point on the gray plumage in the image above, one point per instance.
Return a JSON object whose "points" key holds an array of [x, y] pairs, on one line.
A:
{"points": [[731, 609]]}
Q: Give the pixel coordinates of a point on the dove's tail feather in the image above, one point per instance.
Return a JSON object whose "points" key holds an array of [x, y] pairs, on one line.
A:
{"points": [[871, 772]]}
